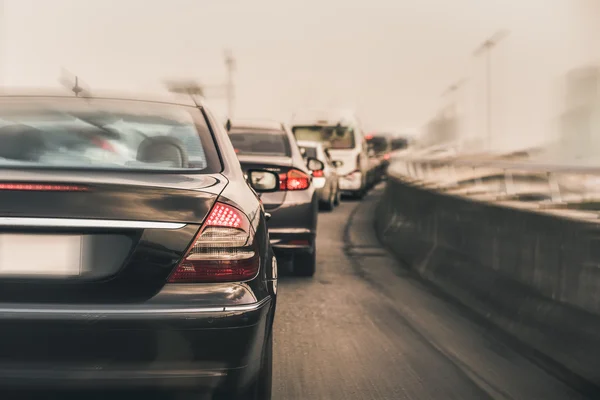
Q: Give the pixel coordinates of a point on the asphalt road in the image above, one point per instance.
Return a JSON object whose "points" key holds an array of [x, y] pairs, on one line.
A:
{"points": [[365, 328]]}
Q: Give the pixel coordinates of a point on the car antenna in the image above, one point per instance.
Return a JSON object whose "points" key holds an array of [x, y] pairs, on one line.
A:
{"points": [[77, 89], [67, 81]]}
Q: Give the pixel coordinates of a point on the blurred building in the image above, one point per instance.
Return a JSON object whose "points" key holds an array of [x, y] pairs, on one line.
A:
{"points": [[443, 130], [580, 121]]}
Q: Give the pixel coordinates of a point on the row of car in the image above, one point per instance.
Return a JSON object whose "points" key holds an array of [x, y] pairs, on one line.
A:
{"points": [[317, 161], [138, 240]]}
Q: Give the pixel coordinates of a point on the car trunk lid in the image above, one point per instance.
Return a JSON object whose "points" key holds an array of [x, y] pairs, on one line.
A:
{"points": [[347, 157], [96, 237]]}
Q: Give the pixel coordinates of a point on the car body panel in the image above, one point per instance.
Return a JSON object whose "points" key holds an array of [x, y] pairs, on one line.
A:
{"points": [[293, 222], [124, 325], [328, 185], [353, 172]]}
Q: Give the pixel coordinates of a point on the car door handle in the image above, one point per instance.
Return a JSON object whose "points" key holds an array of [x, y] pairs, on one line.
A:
{"points": [[267, 216]]}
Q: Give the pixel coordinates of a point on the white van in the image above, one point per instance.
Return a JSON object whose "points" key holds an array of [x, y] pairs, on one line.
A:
{"points": [[345, 140]]}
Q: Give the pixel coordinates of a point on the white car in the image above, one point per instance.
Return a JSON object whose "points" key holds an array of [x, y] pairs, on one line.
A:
{"points": [[344, 138]]}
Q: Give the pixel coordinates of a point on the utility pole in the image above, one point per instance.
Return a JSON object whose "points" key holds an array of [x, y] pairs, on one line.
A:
{"points": [[486, 48], [454, 90], [230, 65]]}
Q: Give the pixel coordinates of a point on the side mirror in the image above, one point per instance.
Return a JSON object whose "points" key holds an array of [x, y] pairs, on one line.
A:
{"points": [[228, 125], [338, 163], [314, 165], [263, 181]]}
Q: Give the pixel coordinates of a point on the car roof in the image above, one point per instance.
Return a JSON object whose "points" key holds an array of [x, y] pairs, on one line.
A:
{"points": [[344, 117], [168, 98], [257, 124]]}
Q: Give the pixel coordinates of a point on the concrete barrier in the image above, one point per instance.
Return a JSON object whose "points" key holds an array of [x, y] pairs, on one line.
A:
{"points": [[534, 276]]}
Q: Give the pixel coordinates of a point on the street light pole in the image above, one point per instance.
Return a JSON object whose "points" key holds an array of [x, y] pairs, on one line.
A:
{"points": [[230, 64], [486, 47]]}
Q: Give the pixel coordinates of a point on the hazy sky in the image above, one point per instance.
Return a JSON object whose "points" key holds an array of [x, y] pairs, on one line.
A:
{"points": [[390, 59]]}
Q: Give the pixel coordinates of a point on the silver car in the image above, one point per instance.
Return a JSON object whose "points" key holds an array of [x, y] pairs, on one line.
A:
{"points": [[326, 181]]}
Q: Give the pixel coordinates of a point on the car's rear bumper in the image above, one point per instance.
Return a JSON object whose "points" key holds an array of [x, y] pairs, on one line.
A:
{"points": [[177, 346], [291, 240], [293, 225], [351, 183]]}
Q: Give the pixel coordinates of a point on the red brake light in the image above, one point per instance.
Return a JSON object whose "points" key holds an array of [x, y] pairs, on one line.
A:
{"points": [[318, 174], [103, 144], [386, 156], [294, 180], [223, 251], [38, 187], [369, 137]]}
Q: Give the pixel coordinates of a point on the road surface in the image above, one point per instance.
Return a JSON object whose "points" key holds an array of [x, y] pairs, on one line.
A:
{"points": [[364, 328]]}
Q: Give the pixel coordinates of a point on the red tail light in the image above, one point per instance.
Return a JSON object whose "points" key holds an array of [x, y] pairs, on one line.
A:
{"points": [[103, 144], [386, 156], [318, 174], [294, 180], [223, 251]]}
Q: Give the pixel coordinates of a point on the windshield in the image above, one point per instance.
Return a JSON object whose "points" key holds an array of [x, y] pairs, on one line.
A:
{"points": [[334, 137], [253, 142], [95, 134]]}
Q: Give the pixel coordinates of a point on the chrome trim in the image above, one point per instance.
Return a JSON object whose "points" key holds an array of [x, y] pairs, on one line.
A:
{"points": [[101, 312], [248, 307], [289, 230], [86, 223]]}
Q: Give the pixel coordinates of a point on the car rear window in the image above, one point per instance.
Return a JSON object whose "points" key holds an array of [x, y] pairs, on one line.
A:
{"points": [[335, 137], [309, 151], [260, 142], [105, 134]]}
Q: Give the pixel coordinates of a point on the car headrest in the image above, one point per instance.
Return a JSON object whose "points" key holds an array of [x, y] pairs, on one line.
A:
{"points": [[21, 142], [163, 149]]}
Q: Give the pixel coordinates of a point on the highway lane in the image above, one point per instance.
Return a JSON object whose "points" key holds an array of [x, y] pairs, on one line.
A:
{"points": [[365, 328]]}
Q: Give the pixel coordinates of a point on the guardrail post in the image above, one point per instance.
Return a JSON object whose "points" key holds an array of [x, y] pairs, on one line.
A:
{"points": [[509, 184], [454, 176], [478, 180], [554, 188]]}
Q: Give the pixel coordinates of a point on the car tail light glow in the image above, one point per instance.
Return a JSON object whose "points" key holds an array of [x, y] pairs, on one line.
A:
{"points": [[318, 174], [223, 251], [294, 180], [386, 156], [103, 144], [41, 187]]}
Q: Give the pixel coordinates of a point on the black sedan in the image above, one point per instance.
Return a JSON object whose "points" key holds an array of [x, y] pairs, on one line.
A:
{"points": [[295, 206], [148, 268]]}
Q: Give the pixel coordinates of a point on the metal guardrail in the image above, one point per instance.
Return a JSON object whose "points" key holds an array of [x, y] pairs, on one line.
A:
{"points": [[498, 179]]}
